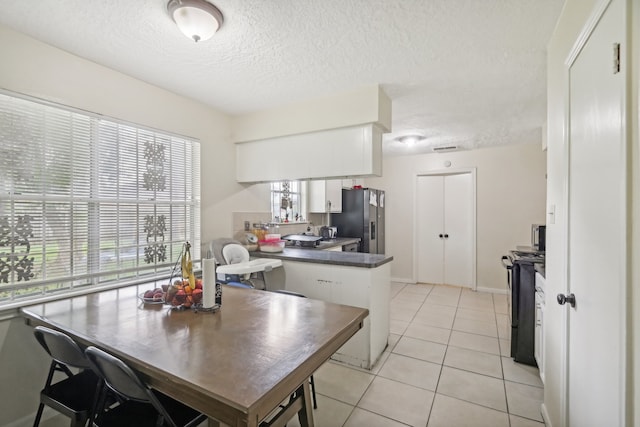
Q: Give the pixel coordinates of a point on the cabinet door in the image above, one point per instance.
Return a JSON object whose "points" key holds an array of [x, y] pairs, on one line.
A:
{"points": [[316, 196], [325, 196], [334, 194]]}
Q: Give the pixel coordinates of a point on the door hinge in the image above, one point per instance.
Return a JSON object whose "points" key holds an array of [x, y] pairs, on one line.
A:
{"points": [[616, 58]]}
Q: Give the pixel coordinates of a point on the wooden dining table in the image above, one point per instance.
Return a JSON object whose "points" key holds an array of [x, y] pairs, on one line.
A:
{"points": [[239, 365]]}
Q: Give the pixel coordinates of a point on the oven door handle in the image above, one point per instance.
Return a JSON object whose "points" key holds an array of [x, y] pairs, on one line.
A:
{"points": [[506, 262]]}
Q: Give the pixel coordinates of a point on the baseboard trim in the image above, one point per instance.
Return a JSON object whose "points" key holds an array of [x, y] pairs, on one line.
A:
{"points": [[492, 290], [479, 289], [545, 415], [27, 420], [403, 280]]}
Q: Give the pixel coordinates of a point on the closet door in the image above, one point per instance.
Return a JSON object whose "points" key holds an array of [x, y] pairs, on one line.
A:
{"points": [[444, 229], [430, 189], [458, 213]]}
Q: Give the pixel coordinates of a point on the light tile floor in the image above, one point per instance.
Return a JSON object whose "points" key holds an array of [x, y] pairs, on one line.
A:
{"points": [[447, 365]]}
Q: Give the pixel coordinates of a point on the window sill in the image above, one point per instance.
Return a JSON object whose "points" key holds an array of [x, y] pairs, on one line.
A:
{"points": [[289, 223]]}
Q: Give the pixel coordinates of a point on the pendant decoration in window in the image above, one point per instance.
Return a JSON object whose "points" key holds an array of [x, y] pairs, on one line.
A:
{"points": [[286, 196], [15, 248], [154, 180], [156, 250], [154, 177]]}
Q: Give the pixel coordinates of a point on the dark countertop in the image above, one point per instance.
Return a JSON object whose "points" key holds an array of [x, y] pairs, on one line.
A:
{"points": [[349, 259], [332, 243]]}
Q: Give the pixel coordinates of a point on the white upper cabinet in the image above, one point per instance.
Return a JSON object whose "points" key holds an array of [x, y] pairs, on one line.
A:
{"points": [[325, 196], [336, 153]]}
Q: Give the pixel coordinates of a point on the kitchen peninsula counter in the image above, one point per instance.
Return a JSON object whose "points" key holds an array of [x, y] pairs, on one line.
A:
{"points": [[347, 259], [349, 278]]}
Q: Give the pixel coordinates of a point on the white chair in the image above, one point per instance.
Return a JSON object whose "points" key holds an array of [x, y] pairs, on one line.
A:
{"points": [[237, 268]]}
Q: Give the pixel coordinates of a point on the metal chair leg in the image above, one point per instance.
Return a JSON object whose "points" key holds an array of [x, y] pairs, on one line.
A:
{"points": [[36, 423]]}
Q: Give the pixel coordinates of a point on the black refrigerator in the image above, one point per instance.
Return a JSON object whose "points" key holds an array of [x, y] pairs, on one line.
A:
{"points": [[363, 217]]}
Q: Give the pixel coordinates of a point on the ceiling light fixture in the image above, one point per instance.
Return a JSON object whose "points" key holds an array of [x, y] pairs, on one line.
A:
{"points": [[410, 139], [197, 19]]}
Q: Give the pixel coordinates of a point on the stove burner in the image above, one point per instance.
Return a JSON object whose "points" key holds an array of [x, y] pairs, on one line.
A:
{"points": [[527, 256], [536, 255]]}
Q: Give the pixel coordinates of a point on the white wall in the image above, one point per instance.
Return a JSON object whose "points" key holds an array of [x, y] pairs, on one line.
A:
{"points": [[34, 68], [510, 197]]}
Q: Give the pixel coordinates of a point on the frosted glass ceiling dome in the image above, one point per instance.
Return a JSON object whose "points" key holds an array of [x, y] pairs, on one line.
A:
{"points": [[197, 19]]}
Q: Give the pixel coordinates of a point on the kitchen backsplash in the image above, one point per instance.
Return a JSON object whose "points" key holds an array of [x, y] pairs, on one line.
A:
{"points": [[315, 221]]}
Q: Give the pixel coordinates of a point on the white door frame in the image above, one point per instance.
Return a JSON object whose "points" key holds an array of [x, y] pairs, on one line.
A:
{"points": [[591, 24], [445, 172]]}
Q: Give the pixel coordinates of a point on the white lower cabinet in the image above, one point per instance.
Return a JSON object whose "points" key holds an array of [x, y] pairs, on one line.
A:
{"points": [[359, 287], [538, 347]]}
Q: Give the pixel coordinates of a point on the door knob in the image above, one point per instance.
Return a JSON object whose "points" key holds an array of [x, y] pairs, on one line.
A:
{"points": [[563, 299]]}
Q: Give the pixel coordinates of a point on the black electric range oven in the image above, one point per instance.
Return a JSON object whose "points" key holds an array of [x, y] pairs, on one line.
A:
{"points": [[522, 301]]}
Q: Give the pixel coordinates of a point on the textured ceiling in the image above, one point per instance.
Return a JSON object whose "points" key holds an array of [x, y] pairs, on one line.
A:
{"points": [[465, 72]]}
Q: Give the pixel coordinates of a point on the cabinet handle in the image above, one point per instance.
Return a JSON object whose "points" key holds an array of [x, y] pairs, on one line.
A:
{"points": [[440, 235], [446, 236]]}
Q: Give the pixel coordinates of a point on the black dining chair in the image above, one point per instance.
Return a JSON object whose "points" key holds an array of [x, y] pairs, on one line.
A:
{"points": [[74, 395], [140, 405], [311, 382]]}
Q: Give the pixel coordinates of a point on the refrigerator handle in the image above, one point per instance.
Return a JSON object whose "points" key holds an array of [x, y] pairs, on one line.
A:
{"points": [[373, 230]]}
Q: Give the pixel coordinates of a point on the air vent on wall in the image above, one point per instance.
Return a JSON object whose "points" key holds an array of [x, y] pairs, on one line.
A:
{"points": [[445, 148]]}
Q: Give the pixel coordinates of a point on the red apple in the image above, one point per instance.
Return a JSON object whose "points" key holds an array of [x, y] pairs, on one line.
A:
{"points": [[197, 295], [180, 296]]}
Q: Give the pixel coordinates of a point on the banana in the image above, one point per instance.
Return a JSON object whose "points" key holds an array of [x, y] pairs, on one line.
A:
{"points": [[187, 266]]}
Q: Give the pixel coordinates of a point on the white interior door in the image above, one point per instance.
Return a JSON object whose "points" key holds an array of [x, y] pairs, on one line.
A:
{"points": [[597, 230], [458, 213], [430, 219], [445, 218]]}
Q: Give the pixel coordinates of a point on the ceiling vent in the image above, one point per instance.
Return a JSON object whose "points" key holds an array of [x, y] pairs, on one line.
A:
{"points": [[445, 148]]}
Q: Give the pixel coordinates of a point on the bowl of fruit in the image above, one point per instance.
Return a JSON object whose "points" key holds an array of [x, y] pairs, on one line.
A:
{"points": [[152, 296], [182, 294]]}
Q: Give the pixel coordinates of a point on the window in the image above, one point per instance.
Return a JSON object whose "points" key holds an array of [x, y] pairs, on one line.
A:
{"points": [[287, 201], [87, 200]]}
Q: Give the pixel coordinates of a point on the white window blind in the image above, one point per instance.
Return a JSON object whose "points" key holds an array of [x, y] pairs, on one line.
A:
{"points": [[86, 200]]}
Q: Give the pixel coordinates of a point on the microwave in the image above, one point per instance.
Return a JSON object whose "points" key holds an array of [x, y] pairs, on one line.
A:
{"points": [[539, 237]]}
